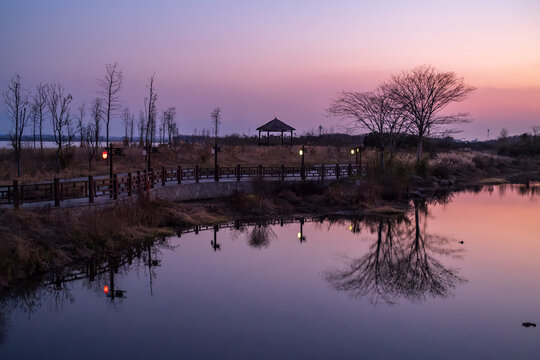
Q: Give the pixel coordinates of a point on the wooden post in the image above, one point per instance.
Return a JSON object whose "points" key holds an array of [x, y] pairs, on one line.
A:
{"points": [[260, 171], [146, 184], [151, 178], [337, 171], [15, 194], [282, 172], [197, 173], [115, 186], [130, 184], [349, 170], [216, 173], [56, 192], [90, 189], [163, 176], [138, 181], [238, 174], [303, 172], [179, 174], [322, 172]]}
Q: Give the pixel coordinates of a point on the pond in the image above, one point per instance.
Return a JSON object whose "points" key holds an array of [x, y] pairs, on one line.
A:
{"points": [[453, 278]]}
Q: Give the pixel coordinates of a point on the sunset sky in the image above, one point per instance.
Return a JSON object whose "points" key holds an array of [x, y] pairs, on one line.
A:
{"points": [[260, 59]]}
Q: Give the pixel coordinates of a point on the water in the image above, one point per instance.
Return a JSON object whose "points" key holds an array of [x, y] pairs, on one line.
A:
{"points": [[375, 288]]}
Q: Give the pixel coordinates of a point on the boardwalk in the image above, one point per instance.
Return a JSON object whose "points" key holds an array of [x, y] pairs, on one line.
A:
{"points": [[104, 189]]}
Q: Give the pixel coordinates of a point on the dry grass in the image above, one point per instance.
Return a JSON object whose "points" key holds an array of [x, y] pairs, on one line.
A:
{"points": [[39, 167]]}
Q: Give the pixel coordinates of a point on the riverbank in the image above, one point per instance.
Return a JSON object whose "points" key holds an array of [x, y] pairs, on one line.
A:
{"points": [[50, 239]]}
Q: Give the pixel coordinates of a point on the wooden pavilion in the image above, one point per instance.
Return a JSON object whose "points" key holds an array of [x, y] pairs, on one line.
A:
{"points": [[275, 125]]}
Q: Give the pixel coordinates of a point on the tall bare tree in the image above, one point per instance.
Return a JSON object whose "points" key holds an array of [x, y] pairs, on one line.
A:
{"points": [[141, 126], [372, 111], [97, 112], [131, 128], [422, 93], [150, 112], [110, 89], [216, 121], [170, 123], [127, 120], [90, 142], [35, 122], [16, 102], [58, 104], [40, 101], [80, 121]]}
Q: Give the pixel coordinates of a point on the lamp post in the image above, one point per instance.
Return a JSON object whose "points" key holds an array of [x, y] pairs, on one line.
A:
{"points": [[215, 150], [215, 245], [301, 235], [358, 152], [302, 153]]}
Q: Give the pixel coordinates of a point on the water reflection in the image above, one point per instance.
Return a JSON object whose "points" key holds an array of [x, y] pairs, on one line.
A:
{"points": [[403, 262]]}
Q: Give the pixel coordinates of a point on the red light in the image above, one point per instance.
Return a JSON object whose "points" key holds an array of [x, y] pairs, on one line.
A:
{"points": [[106, 289], [104, 155]]}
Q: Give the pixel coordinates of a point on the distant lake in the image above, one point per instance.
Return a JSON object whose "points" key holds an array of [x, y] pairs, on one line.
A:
{"points": [[6, 144], [370, 288]]}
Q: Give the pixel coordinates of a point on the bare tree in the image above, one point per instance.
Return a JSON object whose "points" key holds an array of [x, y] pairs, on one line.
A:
{"points": [[110, 88], [371, 111], [80, 121], [97, 112], [141, 125], [70, 129], [170, 128], [16, 102], [126, 119], [150, 112], [40, 102], [35, 123], [421, 94], [131, 128], [216, 121], [58, 103], [90, 142]]}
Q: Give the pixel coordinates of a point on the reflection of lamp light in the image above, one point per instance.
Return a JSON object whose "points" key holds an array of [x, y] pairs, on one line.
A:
{"points": [[106, 289], [299, 235], [350, 227]]}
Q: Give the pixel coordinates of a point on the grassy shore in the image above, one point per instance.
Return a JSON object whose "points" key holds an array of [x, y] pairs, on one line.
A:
{"points": [[50, 239]]}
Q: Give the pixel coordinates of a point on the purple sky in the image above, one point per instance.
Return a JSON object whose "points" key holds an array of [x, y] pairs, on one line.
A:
{"points": [[287, 59]]}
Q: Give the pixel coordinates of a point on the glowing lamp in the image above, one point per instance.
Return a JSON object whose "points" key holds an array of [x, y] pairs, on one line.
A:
{"points": [[301, 152], [104, 155], [352, 151], [106, 289]]}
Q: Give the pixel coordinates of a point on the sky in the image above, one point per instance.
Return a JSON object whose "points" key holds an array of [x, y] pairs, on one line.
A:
{"points": [[261, 59]]}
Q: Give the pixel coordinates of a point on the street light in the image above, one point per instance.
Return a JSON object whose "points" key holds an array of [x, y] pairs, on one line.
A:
{"points": [[358, 152], [301, 235], [104, 155], [302, 153]]}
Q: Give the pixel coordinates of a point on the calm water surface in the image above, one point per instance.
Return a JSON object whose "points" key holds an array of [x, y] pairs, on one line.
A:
{"points": [[374, 288]]}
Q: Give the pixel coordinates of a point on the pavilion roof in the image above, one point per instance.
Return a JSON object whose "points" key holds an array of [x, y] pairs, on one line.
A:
{"points": [[275, 125]]}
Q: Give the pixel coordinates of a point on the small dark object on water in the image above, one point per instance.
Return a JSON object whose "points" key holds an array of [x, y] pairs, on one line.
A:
{"points": [[528, 324], [462, 242]]}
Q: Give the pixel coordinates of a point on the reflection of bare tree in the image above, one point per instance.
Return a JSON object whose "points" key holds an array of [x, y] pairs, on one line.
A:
{"points": [[401, 263], [260, 236]]}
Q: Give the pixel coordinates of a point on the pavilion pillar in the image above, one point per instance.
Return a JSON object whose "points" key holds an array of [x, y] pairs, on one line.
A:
{"points": [[268, 138], [259, 137], [282, 138], [291, 137]]}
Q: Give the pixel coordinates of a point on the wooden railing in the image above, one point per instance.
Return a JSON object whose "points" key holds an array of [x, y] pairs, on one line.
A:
{"points": [[121, 185]]}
